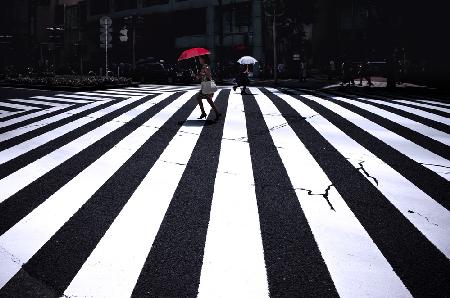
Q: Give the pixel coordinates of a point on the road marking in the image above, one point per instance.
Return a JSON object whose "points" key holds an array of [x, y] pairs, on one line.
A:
{"points": [[32, 232], [402, 145], [233, 262], [63, 100]]}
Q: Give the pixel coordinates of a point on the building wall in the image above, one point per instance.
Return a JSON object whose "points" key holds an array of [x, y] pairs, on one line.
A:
{"points": [[170, 26]]}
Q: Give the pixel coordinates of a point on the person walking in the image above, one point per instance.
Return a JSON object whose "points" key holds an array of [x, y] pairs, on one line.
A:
{"points": [[205, 75], [242, 79], [331, 70], [364, 73]]}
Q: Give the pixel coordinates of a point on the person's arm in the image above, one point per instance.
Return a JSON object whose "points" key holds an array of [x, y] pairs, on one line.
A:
{"points": [[207, 72]]}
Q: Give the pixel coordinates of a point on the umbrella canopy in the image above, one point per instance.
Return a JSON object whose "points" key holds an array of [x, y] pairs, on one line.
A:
{"points": [[194, 52], [247, 60]]}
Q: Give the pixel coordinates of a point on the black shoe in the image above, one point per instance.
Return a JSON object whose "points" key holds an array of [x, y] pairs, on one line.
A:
{"points": [[203, 115], [243, 93], [234, 88]]}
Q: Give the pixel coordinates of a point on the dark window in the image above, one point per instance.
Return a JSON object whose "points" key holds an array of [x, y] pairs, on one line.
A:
{"points": [[124, 4], [154, 2], [190, 22], [59, 14], [99, 6]]}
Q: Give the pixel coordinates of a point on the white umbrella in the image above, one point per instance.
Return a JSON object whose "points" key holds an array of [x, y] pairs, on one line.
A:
{"points": [[247, 60]]}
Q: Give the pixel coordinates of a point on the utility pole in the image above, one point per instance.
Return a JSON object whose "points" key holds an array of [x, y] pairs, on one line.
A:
{"points": [[274, 8], [275, 60]]}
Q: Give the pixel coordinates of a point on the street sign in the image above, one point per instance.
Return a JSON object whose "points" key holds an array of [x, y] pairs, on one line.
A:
{"points": [[105, 21], [102, 45], [105, 37]]}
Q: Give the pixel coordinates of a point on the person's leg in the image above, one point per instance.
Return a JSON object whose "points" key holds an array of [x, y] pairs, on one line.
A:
{"points": [[213, 106], [243, 89], [200, 103]]}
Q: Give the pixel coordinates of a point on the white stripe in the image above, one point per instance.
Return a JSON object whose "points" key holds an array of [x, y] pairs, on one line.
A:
{"points": [[429, 217], [17, 106], [122, 93], [437, 102], [26, 237], [104, 96], [233, 262], [402, 145], [424, 105], [46, 103], [30, 116], [82, 96], [356, 265], [39, 140], [109, 272], [7, 114], [405, 122], [415, 111], [129, 90], [21, 178], [64, 100]]}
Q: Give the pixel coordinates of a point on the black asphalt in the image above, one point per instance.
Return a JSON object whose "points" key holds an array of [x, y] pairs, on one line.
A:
{"points": [[419, 264], [294, 264]]}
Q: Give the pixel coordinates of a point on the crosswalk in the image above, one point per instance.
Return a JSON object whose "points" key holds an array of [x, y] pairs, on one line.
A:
{"points": [[292, 193]]}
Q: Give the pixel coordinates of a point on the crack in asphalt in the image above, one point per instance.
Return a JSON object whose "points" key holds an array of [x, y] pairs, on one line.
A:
{"points": [[324, 195], [10, 255], [434, 165], [410, 211], [364, 171]]}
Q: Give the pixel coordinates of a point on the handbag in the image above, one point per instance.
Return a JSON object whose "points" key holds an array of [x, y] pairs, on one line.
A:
{"points": [[208, 87]]}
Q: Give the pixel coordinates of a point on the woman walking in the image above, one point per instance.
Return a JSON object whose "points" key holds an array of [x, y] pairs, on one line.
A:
{"points": [[205, 75]]}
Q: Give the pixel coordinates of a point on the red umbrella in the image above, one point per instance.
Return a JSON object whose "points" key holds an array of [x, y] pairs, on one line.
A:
{"points": [[194, 52]]}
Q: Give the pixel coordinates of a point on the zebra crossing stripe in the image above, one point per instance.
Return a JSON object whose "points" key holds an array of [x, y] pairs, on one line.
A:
{"points": [[429, 107], [319, 200], [17, 106], [293, 260], [15, 181], [399, 111], [107, 92], [416, 111], [140, 214], [54, 133], [396, 127], [25, 201], [421, 106], [82, 96], [101, 95], [435, 185], [70, 197], [107, 200], [128, 90], [403, 121], [173, 265], [403, 194], [43, 104], [437, 104], [233, 263], [62, 99], [402, 145], [8, 114], [407, 250]]}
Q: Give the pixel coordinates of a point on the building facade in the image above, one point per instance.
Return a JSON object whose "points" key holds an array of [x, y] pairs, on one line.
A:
{"points": [[164, 28]]}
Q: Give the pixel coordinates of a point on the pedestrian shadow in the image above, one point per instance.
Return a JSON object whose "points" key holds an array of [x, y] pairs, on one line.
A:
{"points": [[196, 123]]}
